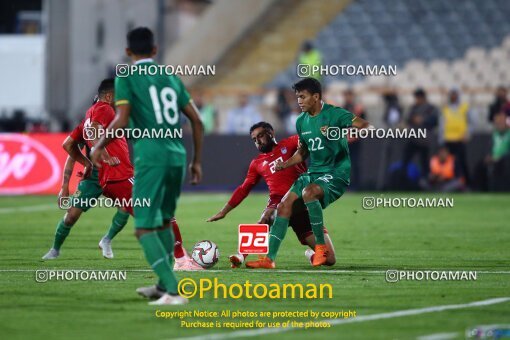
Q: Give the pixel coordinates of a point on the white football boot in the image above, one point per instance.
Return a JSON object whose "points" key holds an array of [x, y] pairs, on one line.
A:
{"points": [[309, 253], [106, 247], [168, 299], [51, 254], [236, 260], [150, 292]]}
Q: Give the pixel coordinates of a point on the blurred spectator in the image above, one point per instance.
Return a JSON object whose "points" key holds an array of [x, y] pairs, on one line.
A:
{"points": [[16, 123], [241, 118], [37, 126], [445, 172], [290, 121], [207, 113], [351, 105], [500, 102], [422, 115], [283, 105], [310, 56], [392, 111], [493, 173], [455, 126]]}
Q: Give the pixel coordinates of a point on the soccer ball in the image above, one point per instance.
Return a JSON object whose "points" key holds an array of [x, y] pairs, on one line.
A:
{"points": [[205, 253]]}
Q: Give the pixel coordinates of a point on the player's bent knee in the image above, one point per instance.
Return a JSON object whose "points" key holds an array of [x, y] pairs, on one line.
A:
{"points": [[312, 192], [284, 209]]}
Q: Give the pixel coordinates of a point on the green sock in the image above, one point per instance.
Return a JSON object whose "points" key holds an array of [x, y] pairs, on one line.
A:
{"points": [[166, 236], [315, 213], [276, 236], [118, 222], [61, 234], [157, 256]]}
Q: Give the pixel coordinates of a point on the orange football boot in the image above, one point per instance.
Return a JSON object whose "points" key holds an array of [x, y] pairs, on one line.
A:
{"points": [[263, 262], [320, 256]]}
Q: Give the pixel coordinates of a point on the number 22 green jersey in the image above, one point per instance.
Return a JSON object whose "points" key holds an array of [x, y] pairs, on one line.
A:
{"points": [[329, 152], [156, 101]]}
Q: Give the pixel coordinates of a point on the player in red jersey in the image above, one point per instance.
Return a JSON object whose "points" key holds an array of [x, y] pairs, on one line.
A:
{"points": [[116, 175], [279, 182]]}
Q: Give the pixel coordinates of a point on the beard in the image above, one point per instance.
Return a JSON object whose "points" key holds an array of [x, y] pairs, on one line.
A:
{"points": [[266, 148]]}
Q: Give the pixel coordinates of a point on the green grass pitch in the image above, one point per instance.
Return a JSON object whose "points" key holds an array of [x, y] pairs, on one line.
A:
{"points": [[473, 235]]}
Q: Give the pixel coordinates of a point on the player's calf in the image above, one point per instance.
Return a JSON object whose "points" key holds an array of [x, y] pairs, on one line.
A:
{"points": [[284, 209], [72, 215]]}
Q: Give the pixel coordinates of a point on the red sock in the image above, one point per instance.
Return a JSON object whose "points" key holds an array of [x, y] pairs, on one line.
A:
{"points": [[178, 249]]}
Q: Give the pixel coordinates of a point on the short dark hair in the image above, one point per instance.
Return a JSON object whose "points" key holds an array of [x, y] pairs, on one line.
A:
{"points": [[419, 92], [311, 85], [140, 41], [107, 85], [264, 125]]}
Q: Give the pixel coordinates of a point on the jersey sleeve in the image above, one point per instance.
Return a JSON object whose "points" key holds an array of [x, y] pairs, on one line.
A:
{"points": [[184, 96], [77, 133], [103, 115], [293, 141], [123, 92], [242, 191], [343, 118]]}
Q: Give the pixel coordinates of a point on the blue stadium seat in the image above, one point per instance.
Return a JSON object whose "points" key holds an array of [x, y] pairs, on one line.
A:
{"points": [[396, 31]]}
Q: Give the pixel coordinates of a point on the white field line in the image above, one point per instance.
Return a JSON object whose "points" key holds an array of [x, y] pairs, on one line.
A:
{"points": [[334, 322], [439, 336], [29, 208]]}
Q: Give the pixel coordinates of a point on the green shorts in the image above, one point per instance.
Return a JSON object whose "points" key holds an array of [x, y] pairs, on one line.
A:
{"points": [[333, 186], [88, 189], [162, 186]]}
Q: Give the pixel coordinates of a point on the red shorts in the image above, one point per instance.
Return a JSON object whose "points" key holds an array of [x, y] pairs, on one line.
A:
{"points": [[120, 190]]}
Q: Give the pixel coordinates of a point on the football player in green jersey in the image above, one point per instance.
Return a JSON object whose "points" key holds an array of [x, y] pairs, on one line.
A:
{"points": [[150, 102], [319, 127]]}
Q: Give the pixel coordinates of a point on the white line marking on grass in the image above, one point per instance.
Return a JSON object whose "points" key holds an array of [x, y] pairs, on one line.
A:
{"points": [[285, 271], [30, 208], [438, 336], [334, 322]]}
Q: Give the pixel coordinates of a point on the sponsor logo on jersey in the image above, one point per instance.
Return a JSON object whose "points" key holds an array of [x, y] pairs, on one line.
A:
{"points": [[284, 150], [324, 130]]}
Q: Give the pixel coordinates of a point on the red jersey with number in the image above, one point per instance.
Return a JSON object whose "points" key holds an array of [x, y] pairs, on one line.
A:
{"points": [[103, 114], [263, 166]]}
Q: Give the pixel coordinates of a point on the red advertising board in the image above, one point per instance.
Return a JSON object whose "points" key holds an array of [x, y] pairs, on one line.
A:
{"points": [[33, 163]]}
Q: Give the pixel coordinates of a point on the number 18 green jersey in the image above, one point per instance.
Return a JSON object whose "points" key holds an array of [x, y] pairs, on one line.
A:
{"points": [[322, 134], [155, 101]]}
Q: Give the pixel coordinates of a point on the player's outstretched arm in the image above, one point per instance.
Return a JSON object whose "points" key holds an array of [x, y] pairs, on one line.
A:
{"points": [[197, 128], [299, 156], [221, 214], [72, 148], [241, 192]]}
